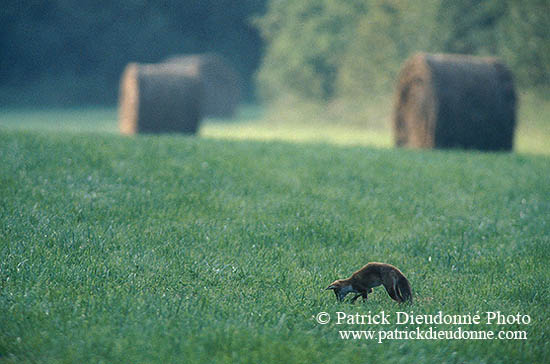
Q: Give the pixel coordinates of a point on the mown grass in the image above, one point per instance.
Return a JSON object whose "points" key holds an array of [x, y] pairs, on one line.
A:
{"points": [[181, 249], [341, 123]]}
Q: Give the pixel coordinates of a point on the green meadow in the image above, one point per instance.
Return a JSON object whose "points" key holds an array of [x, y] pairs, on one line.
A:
{"points": [[217, 248]]}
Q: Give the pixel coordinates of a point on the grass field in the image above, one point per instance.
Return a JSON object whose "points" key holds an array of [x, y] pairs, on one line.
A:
{"points": [[217, 250], [308, 124]]}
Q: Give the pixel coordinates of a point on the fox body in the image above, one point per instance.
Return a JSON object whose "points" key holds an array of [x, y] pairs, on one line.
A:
{"points": [[373, 275]]}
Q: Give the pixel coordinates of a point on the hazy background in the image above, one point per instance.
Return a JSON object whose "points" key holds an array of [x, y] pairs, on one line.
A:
{"points": [[305, 63], [66, 52]]}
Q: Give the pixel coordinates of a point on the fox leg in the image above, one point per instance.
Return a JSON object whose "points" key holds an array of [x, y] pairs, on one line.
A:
{"points": [[392, 293], [366, 293], [356, 297], [404, 289], [399, 293]]}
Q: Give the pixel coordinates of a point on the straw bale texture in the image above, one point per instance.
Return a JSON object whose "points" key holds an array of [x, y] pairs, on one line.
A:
{"points": [[221, 82], [159, 98], [454, 101]]}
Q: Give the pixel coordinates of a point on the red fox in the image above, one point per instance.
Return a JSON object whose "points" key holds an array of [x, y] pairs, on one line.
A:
{"points": [[373, 275]]}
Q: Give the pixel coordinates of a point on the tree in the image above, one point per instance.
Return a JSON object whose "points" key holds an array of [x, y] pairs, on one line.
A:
{"points": [[324, 49], [305, 42]]}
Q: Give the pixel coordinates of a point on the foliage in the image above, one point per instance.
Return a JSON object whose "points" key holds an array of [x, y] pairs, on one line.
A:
{"points": [[384, 38], [306, 41], [86, 44], [524, 41], [519, 32], [363, 56]]}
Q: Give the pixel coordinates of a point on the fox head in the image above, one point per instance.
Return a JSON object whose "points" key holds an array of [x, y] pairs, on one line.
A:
{"points": [[341, 288]]}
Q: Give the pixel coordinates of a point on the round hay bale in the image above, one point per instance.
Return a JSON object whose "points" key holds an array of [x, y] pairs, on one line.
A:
{"points": [[158, 99], [221, 82], [454, 101]]}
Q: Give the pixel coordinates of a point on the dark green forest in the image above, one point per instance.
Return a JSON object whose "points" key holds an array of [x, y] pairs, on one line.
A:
{"points": [[73, 52], [67, 52]]}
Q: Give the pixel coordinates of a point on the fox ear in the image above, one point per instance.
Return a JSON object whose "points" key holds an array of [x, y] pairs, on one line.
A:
{"points": [[332, 286]]}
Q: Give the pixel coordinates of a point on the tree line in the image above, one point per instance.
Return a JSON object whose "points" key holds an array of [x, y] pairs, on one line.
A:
{"points": [[74, 51], [324, 49]]}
